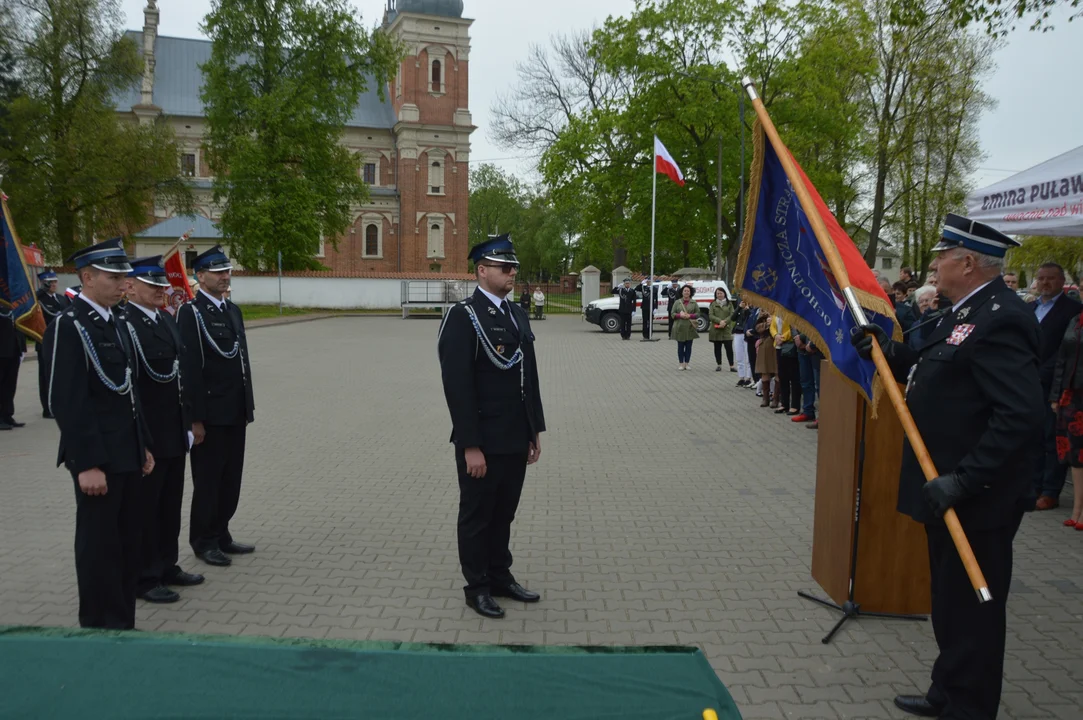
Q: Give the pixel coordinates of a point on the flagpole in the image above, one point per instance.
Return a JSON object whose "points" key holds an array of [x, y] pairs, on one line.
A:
{"points": [[654, 202], [173, 249], [838, 268]]}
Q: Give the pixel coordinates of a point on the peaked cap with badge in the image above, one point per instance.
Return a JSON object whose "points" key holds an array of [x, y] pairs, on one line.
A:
{"points": [[497, 248], [962, 232], [213, 260], [47, 275], [108, 256], [150, 270]]}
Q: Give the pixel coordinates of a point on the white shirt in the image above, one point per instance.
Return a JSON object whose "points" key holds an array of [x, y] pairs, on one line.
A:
{"points": [[217, 303], [152, 314], [973, 292], [106, 313], [497, 301]]}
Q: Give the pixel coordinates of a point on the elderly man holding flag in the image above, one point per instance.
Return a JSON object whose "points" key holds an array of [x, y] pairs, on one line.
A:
{"points": [[973, 405]]}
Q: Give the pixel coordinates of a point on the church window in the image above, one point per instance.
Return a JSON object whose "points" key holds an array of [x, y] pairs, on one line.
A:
{"points": [[436, 85], [372, 240], [370, 173], [188, 165], [436, 178], [436, 241]]}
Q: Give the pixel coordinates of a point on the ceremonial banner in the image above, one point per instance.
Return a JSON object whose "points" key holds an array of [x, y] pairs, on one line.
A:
{"points": [[782, 269], [17, 295], [179, 291]]}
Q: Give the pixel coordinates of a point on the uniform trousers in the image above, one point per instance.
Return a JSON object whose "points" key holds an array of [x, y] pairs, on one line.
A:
{"points": [[43, 377], [969, 672], [626, 325], [486, 509], [647, 321], [107, 551], [217, 466], [163, 491], [9, 380]]}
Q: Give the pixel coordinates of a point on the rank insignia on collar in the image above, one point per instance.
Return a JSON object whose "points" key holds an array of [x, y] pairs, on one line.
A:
{"points": [[960, 333], [492, 311], [995, 307], [963, 312]]}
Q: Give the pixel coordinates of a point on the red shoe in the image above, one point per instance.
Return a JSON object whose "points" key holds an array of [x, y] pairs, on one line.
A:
{"points": [[801, 418], [1070, 523]]}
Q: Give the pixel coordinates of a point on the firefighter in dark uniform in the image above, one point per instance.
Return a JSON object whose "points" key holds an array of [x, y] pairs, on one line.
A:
{"points": [[490, 378], [52, 304], [12, 349], [104, 438], [216, 369], [974, 392], [627, 295], [158, 351], [648, 302]]}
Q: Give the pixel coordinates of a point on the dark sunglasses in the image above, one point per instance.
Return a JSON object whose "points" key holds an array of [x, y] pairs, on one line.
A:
{"points": [[505, 268]]}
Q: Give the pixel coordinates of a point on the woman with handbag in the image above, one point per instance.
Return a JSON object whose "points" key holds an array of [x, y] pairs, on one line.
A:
{"points": [[682, 320], [720, 321], [789, 371], [1067, 400]]}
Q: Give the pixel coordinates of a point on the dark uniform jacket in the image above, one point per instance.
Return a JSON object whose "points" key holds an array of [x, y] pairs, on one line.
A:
{"points": [[627, 298], [12, 341], [51, 307], [98, 427], [499, 411], [220, 389], [164, 402], [1052, 327], [975, 396]]}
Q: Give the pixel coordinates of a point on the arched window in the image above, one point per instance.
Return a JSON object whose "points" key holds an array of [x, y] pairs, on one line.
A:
{"points": [[436, 85], [372, 240], [436, 178], [436, 241]]}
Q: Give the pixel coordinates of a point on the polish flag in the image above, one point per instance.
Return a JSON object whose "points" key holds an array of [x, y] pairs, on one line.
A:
{"points": [[664, 163]]}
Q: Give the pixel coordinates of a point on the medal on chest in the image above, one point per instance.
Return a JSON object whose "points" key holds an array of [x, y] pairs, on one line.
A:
{"points": [[959, 333]]}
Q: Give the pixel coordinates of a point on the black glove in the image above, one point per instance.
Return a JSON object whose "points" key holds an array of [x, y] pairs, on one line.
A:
{"points": [[945, 492], [861, 338]]}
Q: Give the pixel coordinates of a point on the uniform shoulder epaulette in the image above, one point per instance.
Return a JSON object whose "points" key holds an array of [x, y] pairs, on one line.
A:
{"points": [[467, 301]]}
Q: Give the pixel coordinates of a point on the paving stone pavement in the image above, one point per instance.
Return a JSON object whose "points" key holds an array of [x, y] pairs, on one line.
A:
{"points": [[666, 508]]}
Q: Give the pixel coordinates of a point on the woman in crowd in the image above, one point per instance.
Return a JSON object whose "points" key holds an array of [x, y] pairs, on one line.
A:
{"points": [[740, 346], [926, 304], [683, 319], [766, 358], [789, 370], [1067, 400], [539, 303], [721, 318]]}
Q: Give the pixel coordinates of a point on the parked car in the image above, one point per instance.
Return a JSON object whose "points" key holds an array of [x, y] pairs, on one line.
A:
{"points": [[603, 312]]}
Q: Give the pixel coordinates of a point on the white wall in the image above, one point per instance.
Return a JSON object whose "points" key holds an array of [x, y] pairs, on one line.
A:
{"points": [[323, 292]]}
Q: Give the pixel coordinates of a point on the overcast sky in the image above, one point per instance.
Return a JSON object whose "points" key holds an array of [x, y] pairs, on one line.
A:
{"points": [[1039, 115]]}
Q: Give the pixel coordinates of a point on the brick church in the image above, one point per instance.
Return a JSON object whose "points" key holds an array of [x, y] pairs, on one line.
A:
{"points": [[413, 146]]}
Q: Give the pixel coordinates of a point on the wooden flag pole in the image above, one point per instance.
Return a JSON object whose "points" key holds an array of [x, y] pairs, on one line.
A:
{"points": [[838, 268], [181, 239]]}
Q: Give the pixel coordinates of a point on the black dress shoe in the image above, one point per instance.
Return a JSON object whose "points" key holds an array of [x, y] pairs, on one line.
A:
{"points": [[160, 594], [917, 705], [13, 422], [485, 606], [515, 591], [184, 579], [4, 425], [235, 548], [214, 557]]}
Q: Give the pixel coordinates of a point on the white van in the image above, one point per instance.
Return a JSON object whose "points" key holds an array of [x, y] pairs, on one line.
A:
{"points": [[603, 312]]}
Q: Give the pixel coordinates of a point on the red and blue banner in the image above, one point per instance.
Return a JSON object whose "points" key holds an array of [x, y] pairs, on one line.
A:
{"points": [[781, 268], [17, 294]]}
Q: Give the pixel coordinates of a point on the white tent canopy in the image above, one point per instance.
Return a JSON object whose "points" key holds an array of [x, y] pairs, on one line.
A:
{"points": [[1047, 199]]}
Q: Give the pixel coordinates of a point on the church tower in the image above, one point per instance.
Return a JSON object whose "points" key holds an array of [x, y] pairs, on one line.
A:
{"points": [[430, 97]]}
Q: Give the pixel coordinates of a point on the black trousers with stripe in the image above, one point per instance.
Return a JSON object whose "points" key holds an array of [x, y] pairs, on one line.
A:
{"points": [[217, 467], [163, 492]]}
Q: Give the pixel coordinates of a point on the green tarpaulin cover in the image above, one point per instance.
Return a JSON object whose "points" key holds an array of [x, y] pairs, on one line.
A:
{"points": [[64, 673]]}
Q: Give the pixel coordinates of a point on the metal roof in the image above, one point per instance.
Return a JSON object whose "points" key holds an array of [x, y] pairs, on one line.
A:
{"points": [[178, 81], [174, 227]]}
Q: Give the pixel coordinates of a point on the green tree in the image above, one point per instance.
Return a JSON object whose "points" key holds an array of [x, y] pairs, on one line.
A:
{"points": [[283, 79], [74, 170], [496, 202], [1066, 252], [998, 16]]}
